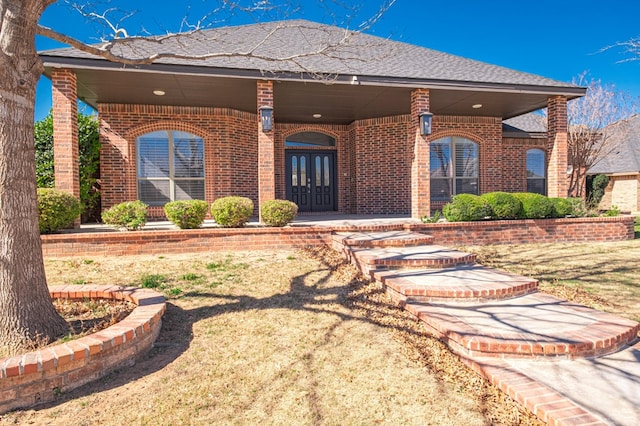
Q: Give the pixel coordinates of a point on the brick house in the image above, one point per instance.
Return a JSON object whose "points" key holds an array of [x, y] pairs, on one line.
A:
{"points": [[343, 131], [622, 165]]}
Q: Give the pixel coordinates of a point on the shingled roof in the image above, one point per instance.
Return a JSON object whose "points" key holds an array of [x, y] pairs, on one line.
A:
{"points": [[299, 46], [625, 158]]}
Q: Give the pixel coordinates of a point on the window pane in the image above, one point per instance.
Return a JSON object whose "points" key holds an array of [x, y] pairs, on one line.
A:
{"points": [[318, 171], [536, 185], [310, 139], [327, 175], [466, 159], [303, 170], [294, 171], [153, 155], [440, 159], [189, 189], [188, 155], [535, 163], [154, 192], [440, 189], [467, 186]]}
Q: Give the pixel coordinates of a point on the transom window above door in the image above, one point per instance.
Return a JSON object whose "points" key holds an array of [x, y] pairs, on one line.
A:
{"points": [[310, 139], [170, 167], [453, 165]]}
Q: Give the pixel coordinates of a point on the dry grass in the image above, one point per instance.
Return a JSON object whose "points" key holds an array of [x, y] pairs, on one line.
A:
{"points": [[273, 338], [605, 276]]}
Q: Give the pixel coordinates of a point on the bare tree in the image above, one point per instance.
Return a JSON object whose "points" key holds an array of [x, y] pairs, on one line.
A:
{"points": [[26, 312], [590, 134], [631, 49]]}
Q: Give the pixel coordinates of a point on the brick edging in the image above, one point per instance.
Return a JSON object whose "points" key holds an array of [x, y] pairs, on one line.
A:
{"points": [[37, 377], [545, 403]]}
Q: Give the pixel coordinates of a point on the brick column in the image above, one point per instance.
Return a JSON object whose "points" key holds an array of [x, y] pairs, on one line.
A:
{"points": [[557, 149], [266, 154], [65, 132], [420, 188]]}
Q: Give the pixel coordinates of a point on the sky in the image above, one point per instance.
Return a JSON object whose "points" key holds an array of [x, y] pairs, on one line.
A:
{"points": [[558, 39]]}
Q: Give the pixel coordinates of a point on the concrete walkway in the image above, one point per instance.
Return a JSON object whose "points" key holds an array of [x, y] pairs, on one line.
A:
{"points": [[566, 363]]}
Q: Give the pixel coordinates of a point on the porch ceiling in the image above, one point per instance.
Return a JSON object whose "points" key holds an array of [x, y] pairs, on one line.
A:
{"points": [[296, 101]]}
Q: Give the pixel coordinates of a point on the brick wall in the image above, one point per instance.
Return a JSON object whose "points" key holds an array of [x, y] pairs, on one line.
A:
{"points": [[623, 192], [230, 136], [595, 229], [383, 165], [514, 156], [374, 157], [183, 241], [225, 239], [37, 377]]}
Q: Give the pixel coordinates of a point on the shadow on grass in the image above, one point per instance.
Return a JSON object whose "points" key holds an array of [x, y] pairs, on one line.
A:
{"points": [[366, 302]]}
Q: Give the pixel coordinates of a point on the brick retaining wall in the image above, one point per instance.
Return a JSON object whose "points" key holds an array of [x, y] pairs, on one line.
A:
{"points": [[568, 230], [255, 238], [36, 377]]}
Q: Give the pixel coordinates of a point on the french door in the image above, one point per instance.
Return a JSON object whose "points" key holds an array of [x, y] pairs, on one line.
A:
{"points": [[311, 180]]}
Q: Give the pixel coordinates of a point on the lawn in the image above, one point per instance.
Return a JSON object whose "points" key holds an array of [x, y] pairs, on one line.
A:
{"points": [[605, 276], [289, 337]]}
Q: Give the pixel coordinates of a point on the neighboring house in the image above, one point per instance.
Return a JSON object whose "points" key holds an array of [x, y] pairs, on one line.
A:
{"points": [[622, 165], [343, 130]]}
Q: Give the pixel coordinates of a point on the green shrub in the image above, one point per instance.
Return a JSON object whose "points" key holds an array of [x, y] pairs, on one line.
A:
{"points": [[278, 212], [612, 212], [186, 214], [130, 215], [56, 209], [503, 205], [580, 209], [534, 206], [598, 186], [232, 212], [562, 207], [466, 207], [435, 218]]}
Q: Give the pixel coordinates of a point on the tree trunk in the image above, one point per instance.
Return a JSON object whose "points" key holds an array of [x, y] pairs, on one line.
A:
{"points": [[27, 315]]}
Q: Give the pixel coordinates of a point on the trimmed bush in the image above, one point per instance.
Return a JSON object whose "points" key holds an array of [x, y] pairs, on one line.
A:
{"points": [[56, 209], [278, 212], [186, 214], [503, 205], [130, 215], [534, 206], [466, 207], [562, 207], [232, 212]]}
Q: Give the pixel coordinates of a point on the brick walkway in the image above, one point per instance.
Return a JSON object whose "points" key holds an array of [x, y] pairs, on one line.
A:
{"points": [[506, 330]]}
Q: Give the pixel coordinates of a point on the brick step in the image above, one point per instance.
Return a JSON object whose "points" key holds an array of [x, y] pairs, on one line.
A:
{"points": [[534, 325], [430, 256], [382, 239], [462, 283]]}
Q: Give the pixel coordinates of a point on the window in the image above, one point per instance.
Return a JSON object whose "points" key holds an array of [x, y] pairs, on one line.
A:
{"points": [[454, 168], [536, 176], [170, 167], [311, 139]]}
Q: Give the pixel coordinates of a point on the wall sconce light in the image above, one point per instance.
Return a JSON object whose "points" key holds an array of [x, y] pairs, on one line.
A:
{"points": [[266, 116], [425, 123]]}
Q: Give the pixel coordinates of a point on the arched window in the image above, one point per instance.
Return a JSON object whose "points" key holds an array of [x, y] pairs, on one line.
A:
{"points": [[170, 167], [454, 167], [536, 174], [310, 139]]}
